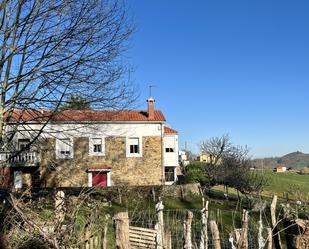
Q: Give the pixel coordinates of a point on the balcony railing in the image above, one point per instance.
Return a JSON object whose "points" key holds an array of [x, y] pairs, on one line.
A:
{"points": [[29, 158]]}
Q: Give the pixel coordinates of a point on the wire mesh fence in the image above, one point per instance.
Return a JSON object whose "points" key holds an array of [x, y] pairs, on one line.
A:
{"points": [[174, 223]]}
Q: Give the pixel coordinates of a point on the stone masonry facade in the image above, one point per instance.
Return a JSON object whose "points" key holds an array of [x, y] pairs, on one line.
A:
{"points": [[144, 170]]}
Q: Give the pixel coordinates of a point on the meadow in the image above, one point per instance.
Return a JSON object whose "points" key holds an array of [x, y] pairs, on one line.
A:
{"points": [[289, 185]]}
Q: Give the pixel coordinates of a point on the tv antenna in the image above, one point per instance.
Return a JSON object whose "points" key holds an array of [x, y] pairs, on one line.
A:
{"points": [[150, 90]]}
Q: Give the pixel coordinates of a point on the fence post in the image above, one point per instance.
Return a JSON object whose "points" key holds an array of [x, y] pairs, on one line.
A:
{"points": [[59, 206], [261, 240], [215, 234], [159, 225], [153, 194], [269, 242], [244, 230], [122, 230], [168, 239], [87, 237], [276, 234], [96, 243], [187, 241], [231, 241], [204, 234], [103, 237], [91, 243]]}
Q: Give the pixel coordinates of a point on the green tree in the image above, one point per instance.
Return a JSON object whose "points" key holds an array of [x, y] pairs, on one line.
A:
{"points": [[76, 102]]}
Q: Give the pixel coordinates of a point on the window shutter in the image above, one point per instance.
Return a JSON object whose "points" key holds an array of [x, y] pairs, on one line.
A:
{"points": [[96, 141], [64, 145], [65, 148], [134, 141]]}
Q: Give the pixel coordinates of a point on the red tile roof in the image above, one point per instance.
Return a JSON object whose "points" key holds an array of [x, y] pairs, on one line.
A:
{"points": [[168, 130], [84, 116]]}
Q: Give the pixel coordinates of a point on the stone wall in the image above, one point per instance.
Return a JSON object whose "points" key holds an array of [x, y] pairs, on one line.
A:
{"points": [[145, 170]]}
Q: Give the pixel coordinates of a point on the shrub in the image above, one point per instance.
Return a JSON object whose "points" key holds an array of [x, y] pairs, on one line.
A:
{"points": [[195, 173]]}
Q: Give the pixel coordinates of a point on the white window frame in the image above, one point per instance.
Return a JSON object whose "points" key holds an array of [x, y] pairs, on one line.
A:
{"points": [[71, 146], [140, 147], [18, 179], [175, 175], [91, 144]]}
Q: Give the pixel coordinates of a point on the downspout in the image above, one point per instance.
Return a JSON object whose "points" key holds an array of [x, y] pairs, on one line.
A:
{"points": [[162, 154]]}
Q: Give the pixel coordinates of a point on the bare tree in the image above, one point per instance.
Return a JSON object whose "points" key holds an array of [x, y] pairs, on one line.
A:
{"points": [[51, 50], [229, 165]]}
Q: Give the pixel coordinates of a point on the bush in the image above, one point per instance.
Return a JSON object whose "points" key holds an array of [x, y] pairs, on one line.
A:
{"points": [[33, 244], [195, 173], [305, 170]]}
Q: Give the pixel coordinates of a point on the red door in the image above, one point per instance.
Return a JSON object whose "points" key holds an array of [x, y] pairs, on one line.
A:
{"points": [[99, 180]]}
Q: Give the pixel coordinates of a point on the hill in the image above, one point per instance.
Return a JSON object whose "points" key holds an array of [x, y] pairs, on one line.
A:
{"points": [[295, 160]]}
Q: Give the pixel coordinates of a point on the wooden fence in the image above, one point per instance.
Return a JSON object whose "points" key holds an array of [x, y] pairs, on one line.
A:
{"points": [[142, 237], [158, 235]]}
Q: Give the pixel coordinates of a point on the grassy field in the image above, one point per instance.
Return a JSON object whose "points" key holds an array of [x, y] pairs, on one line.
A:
{"points": [[281, 184], [295, 185]]}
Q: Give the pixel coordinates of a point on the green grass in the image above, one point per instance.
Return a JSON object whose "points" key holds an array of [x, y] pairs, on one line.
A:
{"points": [[295, 185]]}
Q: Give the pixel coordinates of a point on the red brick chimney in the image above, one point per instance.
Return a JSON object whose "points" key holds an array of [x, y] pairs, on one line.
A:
{"points": [[150, 108]]}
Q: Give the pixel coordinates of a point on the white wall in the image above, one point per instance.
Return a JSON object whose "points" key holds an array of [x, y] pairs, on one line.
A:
{"points": [[171, 158], [94, 129]]}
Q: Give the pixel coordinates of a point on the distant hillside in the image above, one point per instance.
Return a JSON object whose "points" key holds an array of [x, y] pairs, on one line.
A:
{"points": [[295, 159]]}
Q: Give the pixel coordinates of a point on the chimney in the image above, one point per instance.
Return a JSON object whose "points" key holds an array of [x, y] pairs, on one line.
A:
{"points": [[150, 108]]}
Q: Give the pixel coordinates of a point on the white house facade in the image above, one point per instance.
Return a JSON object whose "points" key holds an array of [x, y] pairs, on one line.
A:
{"points": [[80, 148]]}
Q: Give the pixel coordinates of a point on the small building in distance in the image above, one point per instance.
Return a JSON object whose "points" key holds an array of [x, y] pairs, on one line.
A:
{"points": [[183, 158], [204, 157], [280, 169]]}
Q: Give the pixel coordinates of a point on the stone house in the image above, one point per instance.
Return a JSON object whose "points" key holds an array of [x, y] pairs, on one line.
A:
{"points": [[79, 148]]}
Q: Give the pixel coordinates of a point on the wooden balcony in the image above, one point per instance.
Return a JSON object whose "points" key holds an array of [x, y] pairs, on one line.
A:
{"points": [[23, 159]]}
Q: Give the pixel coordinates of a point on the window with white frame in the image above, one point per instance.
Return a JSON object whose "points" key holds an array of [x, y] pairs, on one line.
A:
{"points": [[169, 174], [134, 146], [96, 146], [64, 148]]}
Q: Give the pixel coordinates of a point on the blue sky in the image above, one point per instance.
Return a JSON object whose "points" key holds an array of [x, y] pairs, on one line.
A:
{"points": [[226, 66]]}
